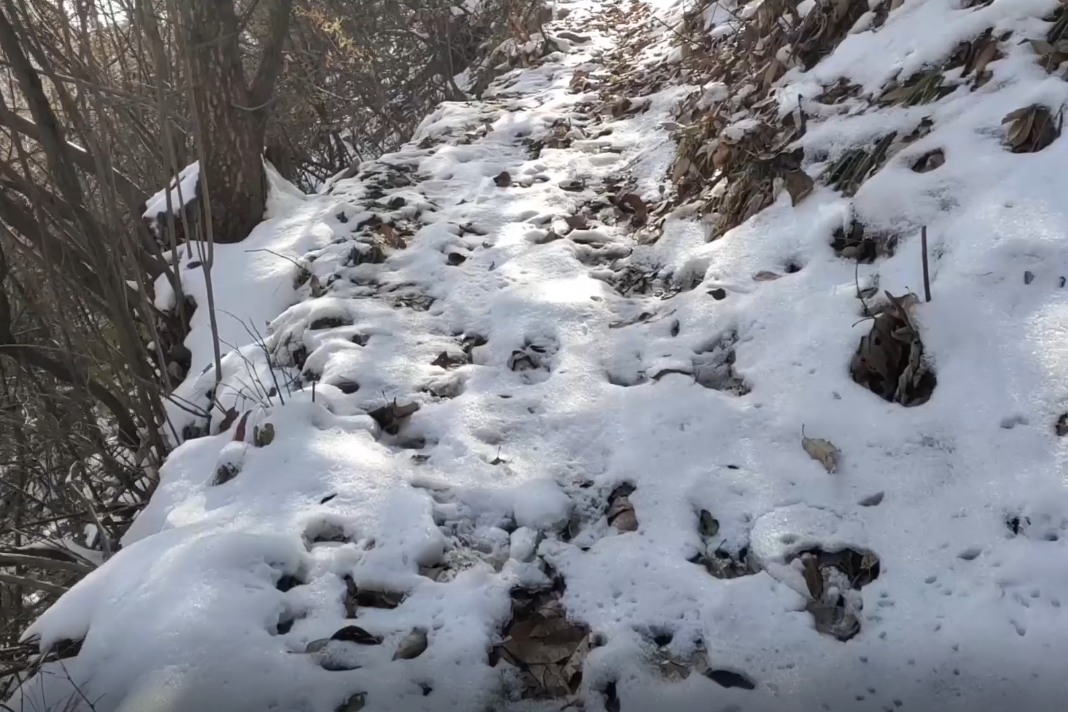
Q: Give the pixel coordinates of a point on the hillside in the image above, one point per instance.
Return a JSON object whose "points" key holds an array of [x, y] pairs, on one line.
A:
{"points": [[618, 388]]}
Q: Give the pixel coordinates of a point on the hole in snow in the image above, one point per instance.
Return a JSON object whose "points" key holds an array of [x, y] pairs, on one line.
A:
{"points": [[324, 530], [713, 366], [287, 582], [853, 243], [1016, 523], [544, 647], [889, 360], [346, 386], [834, 580], [328, 322]]}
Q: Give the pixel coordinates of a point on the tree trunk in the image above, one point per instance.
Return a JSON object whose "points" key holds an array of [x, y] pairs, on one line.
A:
{"points": [[232, 138], [232, 113]]}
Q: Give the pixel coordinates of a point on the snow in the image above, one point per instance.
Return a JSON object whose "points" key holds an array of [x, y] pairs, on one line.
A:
{"points": [[183, 190], [964, 614]]}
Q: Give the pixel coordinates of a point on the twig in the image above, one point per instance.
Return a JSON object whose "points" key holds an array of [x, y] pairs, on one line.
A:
{"points": [[32, 583], [38, 562], [860, 296], [926, 276]]}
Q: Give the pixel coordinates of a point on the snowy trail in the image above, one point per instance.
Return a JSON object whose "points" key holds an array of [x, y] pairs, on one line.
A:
{"points": [[609, 427]]}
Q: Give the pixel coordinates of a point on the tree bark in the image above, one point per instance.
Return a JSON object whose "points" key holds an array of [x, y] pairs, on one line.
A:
{"points": [[232, 114]]}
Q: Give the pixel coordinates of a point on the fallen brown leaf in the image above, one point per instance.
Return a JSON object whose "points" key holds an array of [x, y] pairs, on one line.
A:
{"points": [[239, 433], [821, 450], [637, 206], [412, 646], [392, 416]]}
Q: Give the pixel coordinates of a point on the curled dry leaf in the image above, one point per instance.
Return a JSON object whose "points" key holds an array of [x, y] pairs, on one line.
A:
{"points": [[351, 600], [577, 222], [632, 203], [356, 634], [765, 276], [372, 598], [228, 420], [412, 646], [821, 450], [799, 185], [449, 361], [391, 237], [1031, 128], [813, 578], [621, 514], [239, 434], [354, 703], [392, 416], [548, 648], [679, 170], [889, 359]]}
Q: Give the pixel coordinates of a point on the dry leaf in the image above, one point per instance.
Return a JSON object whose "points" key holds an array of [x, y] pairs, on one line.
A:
{"points": [[412, 646], [765, 276], [231, 416], [351, 597], [239, 434], [369, 598], [709, 524], [392, 416], [682, 166], [813, 576], [390, 236], [354, 703], [798, 184], [577, 222], [503, 179], [356, 634], [1032, 128], [821, 450], [636, 205]]}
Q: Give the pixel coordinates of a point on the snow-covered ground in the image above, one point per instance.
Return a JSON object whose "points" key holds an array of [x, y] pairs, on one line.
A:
{"points": [[543, 388]]}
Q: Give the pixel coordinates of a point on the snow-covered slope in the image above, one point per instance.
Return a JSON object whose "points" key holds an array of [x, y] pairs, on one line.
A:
{"points": [[605, 498]]}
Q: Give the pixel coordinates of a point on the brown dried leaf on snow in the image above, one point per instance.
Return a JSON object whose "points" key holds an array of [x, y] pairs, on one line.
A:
{"points": [[228, 420], [390, 237], [621, 514], [1031, 128], [392, 416], [823, 451], [798, 184], [632, 203], [577, 222], [889, 360], [412, 646], [239, 434], [765, 276], [503, 179], [549, 649]]}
